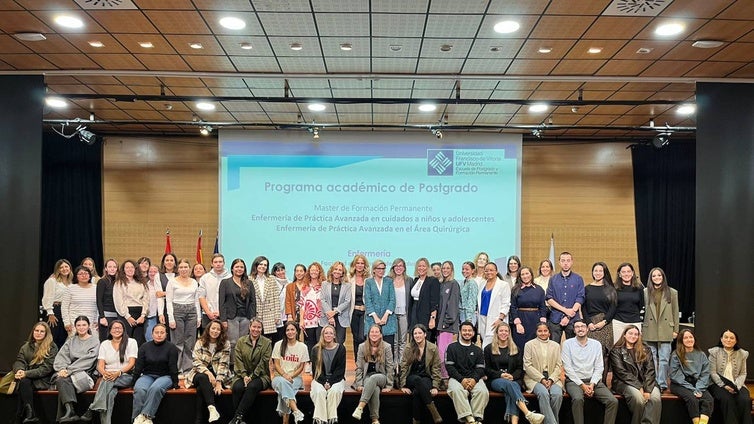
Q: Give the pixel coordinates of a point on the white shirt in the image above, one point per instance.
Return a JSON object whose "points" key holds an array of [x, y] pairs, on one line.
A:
{"points": [[417, 289], [53, 291], [112, 356], [175, 293], [209, 288]]}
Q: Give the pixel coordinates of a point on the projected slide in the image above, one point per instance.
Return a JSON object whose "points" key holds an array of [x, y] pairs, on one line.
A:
{"points": [[383, 195]]}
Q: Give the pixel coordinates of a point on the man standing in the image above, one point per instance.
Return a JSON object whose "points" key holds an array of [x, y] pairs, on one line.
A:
{"points": [[565, 295], [209, 289], [583, 365], [464, 362]]}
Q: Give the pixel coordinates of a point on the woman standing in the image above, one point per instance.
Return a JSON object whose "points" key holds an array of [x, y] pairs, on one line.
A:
{"points": [[237, 303], [689, 377], [359, 272], [420, 374], [278, 272], [630, 300], [115, 360], [329, 368], [293, 298], [156, 304], [600, 300], [504, 369], [89, 263], [494, 303], [634, 377], [374, 372], [105, 302], [131, 297], [168, 269], [33, 368], [527, 307], [211, 369], [336, 301], [402, 285], [80, 299], [289, 356], [379, 299], [660, 325], [267, 296], [728, 373], [142, 267], [155, 372], [425, 295], [311, 312], [469, 292], [182, 300], [545, 272], [511, 275], [448, 322], [52, 299], [73, 365], [480, 260], [543, 367]]}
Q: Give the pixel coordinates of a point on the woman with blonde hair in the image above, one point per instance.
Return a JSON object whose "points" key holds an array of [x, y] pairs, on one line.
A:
{"points": [[374, 372], [89, 263], [52, 299], [402, 286], [480, 261], [329, 372], [379, 299], [336, 300], [425, 297], [358, 273], [634, 377]]}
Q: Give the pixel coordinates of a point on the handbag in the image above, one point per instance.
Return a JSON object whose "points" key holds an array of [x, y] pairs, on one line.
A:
{"points": [[8, 383]]}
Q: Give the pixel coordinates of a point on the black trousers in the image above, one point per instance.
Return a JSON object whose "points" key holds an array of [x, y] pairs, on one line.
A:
{"points": [[736, 408], [420, 396], [137, 331], [695, 406], [245, 395], [357, 330]]}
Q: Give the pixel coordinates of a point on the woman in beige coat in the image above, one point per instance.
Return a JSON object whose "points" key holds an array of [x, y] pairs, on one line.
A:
{"points": [[660, 326], [542, 369]]}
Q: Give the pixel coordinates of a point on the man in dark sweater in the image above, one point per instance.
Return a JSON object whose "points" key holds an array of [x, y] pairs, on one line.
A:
{"points": [[465, 364]]}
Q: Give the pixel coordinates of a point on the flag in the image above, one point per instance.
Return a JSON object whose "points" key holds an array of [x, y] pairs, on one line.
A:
{"points": [[216, 250], [199, 258], [552, 249], [168, 248]]}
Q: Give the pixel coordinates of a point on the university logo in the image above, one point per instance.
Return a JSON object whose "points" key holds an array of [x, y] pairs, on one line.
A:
{"points": [[439, 162]]}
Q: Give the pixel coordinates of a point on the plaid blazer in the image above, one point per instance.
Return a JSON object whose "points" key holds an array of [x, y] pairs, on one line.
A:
{"points": [[204, 360], [269, 309]]}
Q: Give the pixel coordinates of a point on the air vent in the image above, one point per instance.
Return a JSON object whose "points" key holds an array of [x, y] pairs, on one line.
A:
{"points": [[106, 4], [636, 7]]}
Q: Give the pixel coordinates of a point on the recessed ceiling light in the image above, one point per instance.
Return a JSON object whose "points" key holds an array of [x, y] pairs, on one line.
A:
{"points": [[496, 49], [687, 109], [246, 46], [446, 47], [669, 29], [232, 22], [56, 102], [538, 107], [29, 36], [96, 44], [545, 50], [296, 46], [506, 27], [427, 107], [644, 50], [396, 47], [707, 44], [594, 50], [146, 44], [205, 106], [196, 46], [316, 107], [346, 47], [69, 21]]}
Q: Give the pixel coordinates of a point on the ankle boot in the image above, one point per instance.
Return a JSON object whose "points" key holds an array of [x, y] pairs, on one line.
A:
{"points": [[88, 416], [69, 415], [435, 414], [29, 416]]}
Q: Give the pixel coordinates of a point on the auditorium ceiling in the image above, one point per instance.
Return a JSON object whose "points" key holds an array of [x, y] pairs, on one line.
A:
{"points": [[596, 68]]}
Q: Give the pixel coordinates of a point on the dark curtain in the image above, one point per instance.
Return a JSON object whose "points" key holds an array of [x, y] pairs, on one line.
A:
{"points": [[71, 214], [664, 198]]}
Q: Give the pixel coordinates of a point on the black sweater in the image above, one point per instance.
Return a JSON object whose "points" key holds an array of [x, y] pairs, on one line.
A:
{"points": [[157, 359], [494, 365], [464, 361]]}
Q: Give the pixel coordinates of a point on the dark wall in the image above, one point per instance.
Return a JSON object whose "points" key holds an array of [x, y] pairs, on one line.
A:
{"points": [[724, 211], [20, 180]]}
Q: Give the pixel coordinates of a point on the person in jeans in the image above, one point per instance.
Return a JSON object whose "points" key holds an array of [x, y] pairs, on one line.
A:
{"points": [[542, 368], [289, 357], [634, 377], [155, 372]]}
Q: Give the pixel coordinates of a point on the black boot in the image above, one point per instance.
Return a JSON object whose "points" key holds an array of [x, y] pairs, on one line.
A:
{"points": [[88, 416], [237, 419], [29, 416], [69, 415]]}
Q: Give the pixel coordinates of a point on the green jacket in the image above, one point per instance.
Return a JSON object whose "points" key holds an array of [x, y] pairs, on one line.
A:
{"points": [[251, 361], [40, 373]]}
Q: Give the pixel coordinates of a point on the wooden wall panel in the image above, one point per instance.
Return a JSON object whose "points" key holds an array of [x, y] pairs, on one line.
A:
{"points": [[582, 193]]}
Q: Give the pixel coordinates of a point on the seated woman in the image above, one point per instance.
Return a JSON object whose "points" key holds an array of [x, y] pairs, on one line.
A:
{"points": [[728, 373], [689, 377], [420, 373], [542, 367], [115, 361], [73, 365], [329, 372], [251, 364], [155, 372], [211, 369], [504, 369], [33, 368], [374, 371], [288, 359], [634, 376]]}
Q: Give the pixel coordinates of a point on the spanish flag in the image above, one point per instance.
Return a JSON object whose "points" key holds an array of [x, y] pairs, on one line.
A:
{"points": [[199, 258]]}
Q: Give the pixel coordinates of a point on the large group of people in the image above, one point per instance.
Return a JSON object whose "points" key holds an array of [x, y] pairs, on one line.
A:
{"points": [[160, 327]]}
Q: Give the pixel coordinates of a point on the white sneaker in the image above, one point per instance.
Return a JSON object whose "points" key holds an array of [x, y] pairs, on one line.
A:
{"points": [[146, 420], [357, 413], [535, 418], [298, 416], [213, 414], [139, 419]]}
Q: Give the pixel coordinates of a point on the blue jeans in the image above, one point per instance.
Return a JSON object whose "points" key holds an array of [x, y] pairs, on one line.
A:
{"points": [[151, 322], [286, 391], [549, 401], [104, 399], [661, 355], [148, 392], [512, 395]]}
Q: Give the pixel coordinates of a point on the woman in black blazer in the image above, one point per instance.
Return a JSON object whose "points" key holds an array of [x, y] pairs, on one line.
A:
{"points": [[425, 297]]}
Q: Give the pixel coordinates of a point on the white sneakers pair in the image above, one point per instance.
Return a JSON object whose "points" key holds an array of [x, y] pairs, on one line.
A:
{"points": [[535, 418]]}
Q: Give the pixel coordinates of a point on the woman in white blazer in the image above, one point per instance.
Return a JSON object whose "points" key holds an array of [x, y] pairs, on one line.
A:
{"points": [[336, 313], [493, 301], [542, 369]]}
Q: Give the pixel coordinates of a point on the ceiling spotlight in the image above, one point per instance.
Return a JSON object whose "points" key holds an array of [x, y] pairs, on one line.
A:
{"points": [[395, 47], [536, 133], [316, 107], [437, 133], [644, 50], [669, 29], [575, 109], [661, 140], [346, 47], [594, 50], [446, 47], [233, 23], [96, 44], [205, 130], [545, 50], [538, 108], [29, 36], [246, 46], [196, 46], [168, 106], [56, 102], [68, 21], [87, 137], [506, 27], [687, 109], [315, 133], [296, 46], [427, 107], [146, 44], [707, 44], [205, 106]]}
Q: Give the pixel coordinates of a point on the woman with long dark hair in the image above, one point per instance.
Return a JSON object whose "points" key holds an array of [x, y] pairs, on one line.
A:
{"points": [[600, 300], [661, 324], [420, 374], [267, 295], [494, 302], [80, 299], [105, 302], [289, 356], [131, 297], [73, 366], [374, 373], [543, 367], [634, 377], [237, 303], [690, 376], [211, 369], [52, 299], [512, 270], [728, 373], [329, 372], [630, 300], [527, 307]]}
